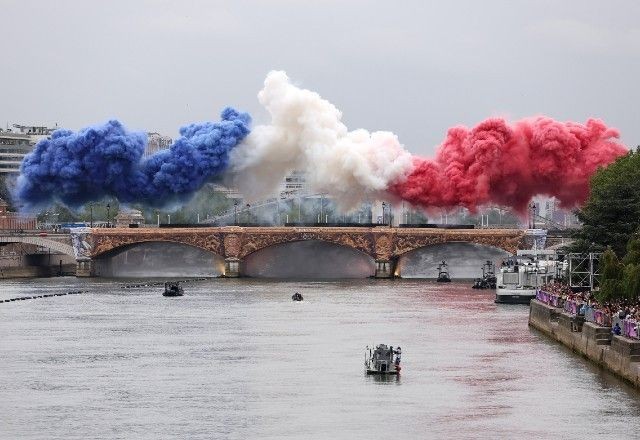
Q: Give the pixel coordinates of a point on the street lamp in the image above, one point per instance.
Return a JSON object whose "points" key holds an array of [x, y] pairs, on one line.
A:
{"points": [[248, 207], [404, 211], [235, 213], [108, 217], [91, 215], [532, 207], [383, 217]]}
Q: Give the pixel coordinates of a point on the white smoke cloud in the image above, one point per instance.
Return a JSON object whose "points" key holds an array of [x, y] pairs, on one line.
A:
{"points": [[306, 134]]}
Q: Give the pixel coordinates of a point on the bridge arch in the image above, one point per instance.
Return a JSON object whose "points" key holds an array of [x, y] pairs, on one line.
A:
{"points": [[465, 259], [128, 245], [308, 258], [453, 242], [158, 258], [508, 243], [107, 240], [279, 241], [45, 242]]}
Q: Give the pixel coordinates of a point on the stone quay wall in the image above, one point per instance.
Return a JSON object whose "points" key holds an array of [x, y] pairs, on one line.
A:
{"points": [[618, 354]]}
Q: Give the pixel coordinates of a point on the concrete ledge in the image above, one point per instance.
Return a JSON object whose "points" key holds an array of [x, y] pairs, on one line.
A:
{"points": [[617, 354], [36, 271]]}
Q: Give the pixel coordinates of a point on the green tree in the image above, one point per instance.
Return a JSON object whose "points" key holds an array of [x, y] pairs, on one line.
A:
{"points": [[631, 281], [631, 272], [633, 250], [611, 277], [612, 213]]}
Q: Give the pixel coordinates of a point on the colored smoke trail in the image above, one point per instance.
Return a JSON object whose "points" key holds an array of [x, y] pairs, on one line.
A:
{"points": [[106, 160], [306, 134], [495, 163]]}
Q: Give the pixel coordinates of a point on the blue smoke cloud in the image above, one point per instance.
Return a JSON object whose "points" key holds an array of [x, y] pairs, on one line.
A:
{"points": [[106, 160]]}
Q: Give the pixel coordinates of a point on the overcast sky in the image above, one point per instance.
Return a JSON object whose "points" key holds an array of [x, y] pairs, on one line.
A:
{"points": [[411, 67]]}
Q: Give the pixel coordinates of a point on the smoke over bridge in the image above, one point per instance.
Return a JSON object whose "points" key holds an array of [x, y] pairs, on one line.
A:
{"points": [[494, 162]]}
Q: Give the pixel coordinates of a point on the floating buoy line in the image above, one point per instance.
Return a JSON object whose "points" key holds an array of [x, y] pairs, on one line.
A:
{"points": [[77, 292], [160, 283], [49, 295]]}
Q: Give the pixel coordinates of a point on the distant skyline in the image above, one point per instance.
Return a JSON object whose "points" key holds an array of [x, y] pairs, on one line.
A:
{"points": [[415, 67]]}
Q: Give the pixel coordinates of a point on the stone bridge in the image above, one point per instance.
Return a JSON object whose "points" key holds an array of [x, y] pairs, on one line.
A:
{"points": [[56, 242], [233, 243]]}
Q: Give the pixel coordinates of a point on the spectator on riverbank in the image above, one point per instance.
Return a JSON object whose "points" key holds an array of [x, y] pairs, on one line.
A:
{"points": [[616, 330], [621, 308]]}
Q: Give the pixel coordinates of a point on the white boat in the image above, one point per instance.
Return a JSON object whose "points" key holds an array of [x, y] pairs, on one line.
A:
{"points": [[521, 275], [382, 360]]}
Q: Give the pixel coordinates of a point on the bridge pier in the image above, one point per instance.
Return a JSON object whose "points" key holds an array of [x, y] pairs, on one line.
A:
{"points": [[84, 268], [384, 269], [231, 268]]}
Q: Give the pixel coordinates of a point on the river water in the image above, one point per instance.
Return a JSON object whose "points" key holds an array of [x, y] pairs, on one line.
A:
{"points": [[238, 359]]}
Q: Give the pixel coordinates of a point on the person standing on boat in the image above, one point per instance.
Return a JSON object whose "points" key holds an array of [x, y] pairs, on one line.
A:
{"points": [[398, 353]]}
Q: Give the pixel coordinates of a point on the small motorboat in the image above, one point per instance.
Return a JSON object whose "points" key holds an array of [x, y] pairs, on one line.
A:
{"points": [[488, 280], [297, 297], [489, 274], [172, 288], [443, 273], [382, 360]]}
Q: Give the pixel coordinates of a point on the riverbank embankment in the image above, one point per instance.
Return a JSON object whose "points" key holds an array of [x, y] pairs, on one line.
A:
{"points": [[36, 271], [616, 353]]}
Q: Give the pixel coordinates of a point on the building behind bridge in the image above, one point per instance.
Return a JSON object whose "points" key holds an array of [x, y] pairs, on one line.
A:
{"points": [[12, 221], [17, 142]]}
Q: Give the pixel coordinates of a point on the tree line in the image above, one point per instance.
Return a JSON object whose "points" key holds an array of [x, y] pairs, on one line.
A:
{"points": [[611, 224]]}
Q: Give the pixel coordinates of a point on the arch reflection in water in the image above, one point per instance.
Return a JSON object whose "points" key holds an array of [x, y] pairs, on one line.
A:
{"points": [[159, 259], [311, 259], [465, 260]]}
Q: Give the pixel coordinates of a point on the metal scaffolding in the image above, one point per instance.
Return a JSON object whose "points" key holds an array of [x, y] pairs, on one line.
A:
{"points": [[584, 270]]}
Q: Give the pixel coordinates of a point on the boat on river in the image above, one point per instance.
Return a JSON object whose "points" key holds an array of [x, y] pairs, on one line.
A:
{"points": [[382, 360], [173, 288], [443, 273], [522, 274], [489, 279], [297, 297]]}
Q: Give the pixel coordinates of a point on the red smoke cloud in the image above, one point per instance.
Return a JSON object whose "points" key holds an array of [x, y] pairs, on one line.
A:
{"points": [[495, 163]]}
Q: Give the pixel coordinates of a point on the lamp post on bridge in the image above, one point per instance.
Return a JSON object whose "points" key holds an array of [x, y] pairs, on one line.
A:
{"points": [[108, 216], [384, 205], [404, 211], [532, 207], [235, 212], [248, 209]]}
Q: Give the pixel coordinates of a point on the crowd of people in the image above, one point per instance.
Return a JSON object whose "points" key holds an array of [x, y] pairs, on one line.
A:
{"points": [[558, 289], [620, 308]]}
